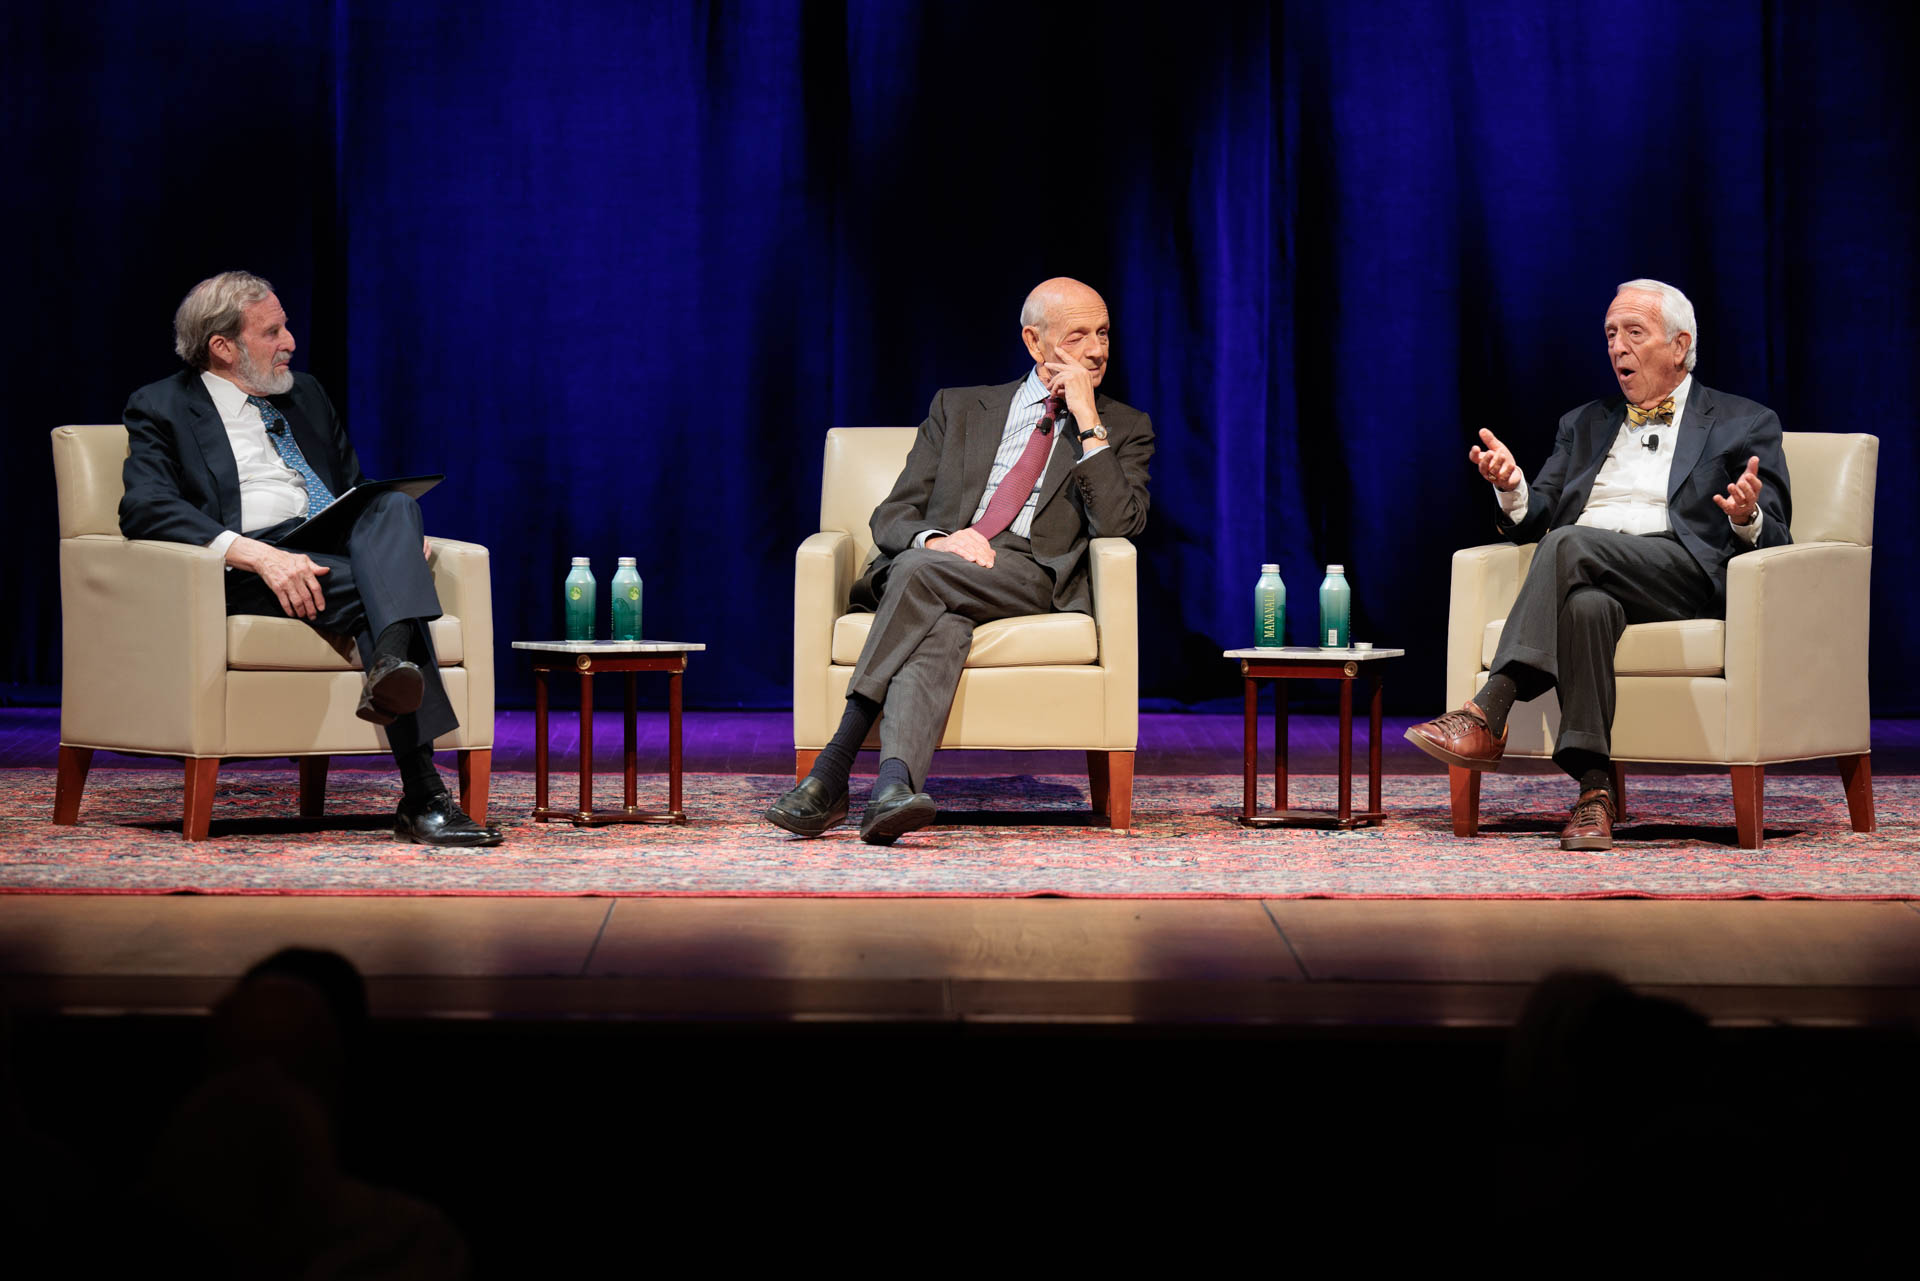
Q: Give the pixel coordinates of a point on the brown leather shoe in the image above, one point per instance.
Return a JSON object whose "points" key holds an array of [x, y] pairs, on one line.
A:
{"points": [[1591, 825], [1460, 738]]}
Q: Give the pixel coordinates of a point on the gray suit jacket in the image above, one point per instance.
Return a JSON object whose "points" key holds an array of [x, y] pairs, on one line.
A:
{"points": [[952, 457]]}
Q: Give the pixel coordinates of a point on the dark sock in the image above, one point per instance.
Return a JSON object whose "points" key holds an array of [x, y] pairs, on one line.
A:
{"points": [[419, 780], [835, 762], [893, 770], [394, 641], [1496, 700], [1590, 769]]}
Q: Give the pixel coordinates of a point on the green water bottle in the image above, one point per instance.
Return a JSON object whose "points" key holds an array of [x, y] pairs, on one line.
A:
{"points": [[626, 601], [1269, 609], [579, 593], [1336, 608]]}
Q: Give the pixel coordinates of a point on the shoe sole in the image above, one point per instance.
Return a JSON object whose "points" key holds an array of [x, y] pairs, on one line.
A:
{"points": [[398, 693], [486, 842], [1586, 843], [910, 817], [1440, 753], [800, 827]]}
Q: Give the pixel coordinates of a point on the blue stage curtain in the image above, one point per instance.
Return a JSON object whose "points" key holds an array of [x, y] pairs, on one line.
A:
{"points": [[616, 268]]}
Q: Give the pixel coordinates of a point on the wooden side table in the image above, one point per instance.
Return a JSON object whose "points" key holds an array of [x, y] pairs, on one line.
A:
{"points": [[1305, 663], [592, 658]]}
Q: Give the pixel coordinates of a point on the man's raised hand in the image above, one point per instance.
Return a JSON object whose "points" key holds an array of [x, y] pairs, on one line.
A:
{"points": [[1069, 378], [966, 544], [1495, 462], [1743, 495]]}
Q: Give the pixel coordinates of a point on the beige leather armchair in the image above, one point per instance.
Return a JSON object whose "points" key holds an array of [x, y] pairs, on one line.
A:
{"points": [[153, 665], [1783, 678], [1040, 681]]}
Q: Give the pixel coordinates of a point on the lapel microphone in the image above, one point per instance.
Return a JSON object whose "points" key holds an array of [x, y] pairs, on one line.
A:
{"points": [[1651, 440]]}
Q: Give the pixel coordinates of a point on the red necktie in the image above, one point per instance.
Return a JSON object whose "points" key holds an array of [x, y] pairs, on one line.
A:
{"points": [[1017, 485]]}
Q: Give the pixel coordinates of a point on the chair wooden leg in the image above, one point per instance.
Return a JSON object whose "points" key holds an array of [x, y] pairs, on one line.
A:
{"points": [[1749, 804], [313, 785], [803, 759], [1119, 772], [1098, 780], [476, 780], [202, 773], [1856, 772], [69, 783], [1464, 786], [1619, 792]]}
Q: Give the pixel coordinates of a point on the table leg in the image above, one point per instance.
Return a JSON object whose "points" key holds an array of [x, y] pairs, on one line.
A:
{"points": [[1346, 750], [673, 742], [1249, 748], [586, 744], [1373, 751], [539, 739], [633, 753], [1280, 745]]}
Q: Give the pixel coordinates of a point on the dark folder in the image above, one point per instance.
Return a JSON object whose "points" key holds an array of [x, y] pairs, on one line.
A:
{"points": [[328, 527]]}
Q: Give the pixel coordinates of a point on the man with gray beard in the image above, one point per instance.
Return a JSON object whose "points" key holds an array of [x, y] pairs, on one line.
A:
{"points": [[234, 453]]}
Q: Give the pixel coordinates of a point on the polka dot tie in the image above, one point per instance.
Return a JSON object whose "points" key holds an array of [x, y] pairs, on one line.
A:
{"points": [[318, 495]]}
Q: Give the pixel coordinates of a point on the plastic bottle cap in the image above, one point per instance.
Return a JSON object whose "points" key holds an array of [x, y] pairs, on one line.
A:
{"points": [[580, 560], [1269, 569], [1336, 569], [627, 560]]}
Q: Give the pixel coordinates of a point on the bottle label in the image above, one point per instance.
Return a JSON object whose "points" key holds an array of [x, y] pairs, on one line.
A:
{"points": [[633, 593], [573, 593], [1333, 636]]}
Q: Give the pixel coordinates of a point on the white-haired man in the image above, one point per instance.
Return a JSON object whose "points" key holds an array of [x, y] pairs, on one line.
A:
{"points": [[989, 519], [1644, 499], [237, 450]]}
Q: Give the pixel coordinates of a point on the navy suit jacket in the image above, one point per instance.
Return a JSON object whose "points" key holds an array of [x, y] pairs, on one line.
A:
{"points": [[182, 483], [1718, 433]]}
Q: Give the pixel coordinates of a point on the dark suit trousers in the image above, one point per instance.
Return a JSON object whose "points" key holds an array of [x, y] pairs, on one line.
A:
{"points": [[378, 578], [930, 602], [1584, 587]]}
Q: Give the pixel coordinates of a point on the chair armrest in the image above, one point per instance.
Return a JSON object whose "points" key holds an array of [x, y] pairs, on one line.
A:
{"points": [[823, 574], [1485, 581], [1114, 574], [1796, 663], [463, 580], [144, 646]]}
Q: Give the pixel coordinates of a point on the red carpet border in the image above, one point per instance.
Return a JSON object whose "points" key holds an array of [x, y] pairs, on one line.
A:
{"points": [[1677, 844]]}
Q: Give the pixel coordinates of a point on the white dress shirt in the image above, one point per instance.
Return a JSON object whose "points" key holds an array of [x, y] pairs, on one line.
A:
{"points": [[270, 491], [1029, 403], [1629, 492]]}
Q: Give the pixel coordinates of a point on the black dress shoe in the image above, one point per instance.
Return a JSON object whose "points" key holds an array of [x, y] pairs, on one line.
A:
{"points": [[439, 820], [393, 688], [893, 811], [807, 810]]}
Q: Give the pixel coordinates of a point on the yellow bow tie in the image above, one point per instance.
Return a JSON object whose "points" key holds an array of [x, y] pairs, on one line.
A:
{"points": [[1641, 417]]}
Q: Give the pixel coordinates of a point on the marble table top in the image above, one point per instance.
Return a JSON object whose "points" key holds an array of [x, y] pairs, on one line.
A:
{"points": [[1310, 653], [611, 646]]}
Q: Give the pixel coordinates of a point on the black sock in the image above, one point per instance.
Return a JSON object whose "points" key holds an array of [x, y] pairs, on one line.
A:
{"points": [[419, 780], [835, 763], [1590, 769], [1496, 700], [394, 641], [893, 770]]}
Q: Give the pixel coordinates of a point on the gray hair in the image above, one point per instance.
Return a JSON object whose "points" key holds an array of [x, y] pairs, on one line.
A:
{"points": [[215, 308], [1676, 313]]}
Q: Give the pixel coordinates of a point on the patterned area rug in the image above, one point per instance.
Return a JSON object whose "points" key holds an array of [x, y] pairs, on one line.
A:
{"points": [[1020, 835]]}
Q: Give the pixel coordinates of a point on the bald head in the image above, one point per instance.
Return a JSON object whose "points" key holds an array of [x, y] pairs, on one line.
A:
{"points": [[1065, 320]]}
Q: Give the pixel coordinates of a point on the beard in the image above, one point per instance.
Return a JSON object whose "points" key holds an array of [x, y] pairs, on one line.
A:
{"points": [[276, 383]]}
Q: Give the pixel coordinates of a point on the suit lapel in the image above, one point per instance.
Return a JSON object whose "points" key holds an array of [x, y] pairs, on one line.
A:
{"points": [[983, 442], [1691, 443], [1600, 438], [211, 435], [1060, 462]]}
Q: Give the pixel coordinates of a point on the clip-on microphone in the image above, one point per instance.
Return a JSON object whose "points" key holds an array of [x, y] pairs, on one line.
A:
{"points": [[1651, 440]]}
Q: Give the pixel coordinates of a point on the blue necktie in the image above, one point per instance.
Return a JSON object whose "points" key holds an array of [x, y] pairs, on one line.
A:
{"points": [[318, 495]]}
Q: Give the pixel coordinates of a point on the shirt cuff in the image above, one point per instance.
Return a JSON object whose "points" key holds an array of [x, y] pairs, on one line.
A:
{"points": [[223, 540], [920, 539], [1750, 532], [1514, 501], [1090, 451]]}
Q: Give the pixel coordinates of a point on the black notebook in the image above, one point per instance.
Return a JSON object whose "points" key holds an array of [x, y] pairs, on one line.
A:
{"points": [[329, 526]]}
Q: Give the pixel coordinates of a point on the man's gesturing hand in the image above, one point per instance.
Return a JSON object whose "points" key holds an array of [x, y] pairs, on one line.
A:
{"points": [[966, 544], [294, 578], [1069, 378], [1743, 495], [1495, 462]]}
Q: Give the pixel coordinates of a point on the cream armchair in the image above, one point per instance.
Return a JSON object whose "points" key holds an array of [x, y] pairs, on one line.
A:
{"points": [[1783, 678], [1040, 681], [154, 666]]}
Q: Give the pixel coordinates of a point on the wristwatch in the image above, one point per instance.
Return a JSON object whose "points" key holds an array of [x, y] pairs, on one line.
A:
{"points": [[1096, 431]]}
